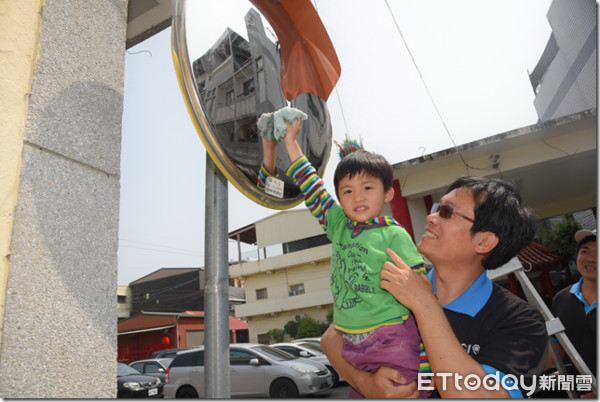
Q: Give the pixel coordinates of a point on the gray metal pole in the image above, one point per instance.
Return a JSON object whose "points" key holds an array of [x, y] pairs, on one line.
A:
{"points": [[216, 291]]}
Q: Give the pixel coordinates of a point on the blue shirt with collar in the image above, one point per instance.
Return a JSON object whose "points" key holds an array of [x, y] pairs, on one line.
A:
{"points": [[470, 303]]}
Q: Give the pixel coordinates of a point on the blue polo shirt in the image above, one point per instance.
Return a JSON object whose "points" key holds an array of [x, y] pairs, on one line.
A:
{"points": [[502, 332], [576, 290], [579, 320]]}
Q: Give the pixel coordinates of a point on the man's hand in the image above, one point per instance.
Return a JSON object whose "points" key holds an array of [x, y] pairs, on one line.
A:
{"points": [[408, 287], [387, 383]]}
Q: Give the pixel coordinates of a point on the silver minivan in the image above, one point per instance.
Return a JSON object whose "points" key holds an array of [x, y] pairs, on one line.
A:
{"points": [[255, 371]]}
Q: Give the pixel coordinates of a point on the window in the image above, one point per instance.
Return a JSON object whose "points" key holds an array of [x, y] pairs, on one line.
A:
{"points": [[261, 294], [296, 290], [240, 357], [259, 63], [249, 86], [229, 98]]}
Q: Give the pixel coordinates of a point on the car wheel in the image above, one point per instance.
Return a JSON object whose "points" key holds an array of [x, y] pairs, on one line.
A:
{"points": [[335, 377], [283, 388], [187, 393]]}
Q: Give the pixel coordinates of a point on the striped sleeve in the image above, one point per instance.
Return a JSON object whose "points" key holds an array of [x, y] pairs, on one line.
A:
{"points": [[419, 269], [317, 199], [263, 173]]}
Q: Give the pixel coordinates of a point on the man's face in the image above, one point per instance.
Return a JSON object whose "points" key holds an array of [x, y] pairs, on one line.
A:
{"points": [[450, 240], [586, 261], [363, 196]]}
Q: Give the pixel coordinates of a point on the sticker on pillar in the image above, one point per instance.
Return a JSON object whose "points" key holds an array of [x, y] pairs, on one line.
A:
{"points": [[249, 58]]}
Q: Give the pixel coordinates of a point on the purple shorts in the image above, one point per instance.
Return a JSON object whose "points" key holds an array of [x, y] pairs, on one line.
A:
{"points": [[396, 346]]}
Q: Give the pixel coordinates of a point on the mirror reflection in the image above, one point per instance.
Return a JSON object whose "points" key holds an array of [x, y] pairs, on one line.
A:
{"points": [[229, 81]]}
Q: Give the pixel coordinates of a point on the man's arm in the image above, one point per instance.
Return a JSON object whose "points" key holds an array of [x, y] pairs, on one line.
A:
{"points": [[445, 353], [381, 384]]}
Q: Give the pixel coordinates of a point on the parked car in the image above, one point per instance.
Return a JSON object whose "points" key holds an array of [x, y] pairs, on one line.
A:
{"points": [[133, 384], [153, 367], [255, 371], [316, 340], [309, 350], [167, 353]]}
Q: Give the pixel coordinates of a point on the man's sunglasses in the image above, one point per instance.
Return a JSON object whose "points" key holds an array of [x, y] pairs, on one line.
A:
{"points": [[446, 211]]}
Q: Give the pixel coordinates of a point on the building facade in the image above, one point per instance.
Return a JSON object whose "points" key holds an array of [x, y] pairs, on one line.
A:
{"points": [[289, 284], [564, 80]]}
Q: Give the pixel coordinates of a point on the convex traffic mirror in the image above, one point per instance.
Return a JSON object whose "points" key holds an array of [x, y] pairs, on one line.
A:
{"points": [[228, 57]]}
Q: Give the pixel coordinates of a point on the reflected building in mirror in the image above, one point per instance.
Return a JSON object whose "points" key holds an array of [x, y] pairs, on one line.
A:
{"points": [[238, 80]]}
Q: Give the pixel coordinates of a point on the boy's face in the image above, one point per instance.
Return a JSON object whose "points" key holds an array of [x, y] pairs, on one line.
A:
{"points": [[363, 196], [586, 261]]}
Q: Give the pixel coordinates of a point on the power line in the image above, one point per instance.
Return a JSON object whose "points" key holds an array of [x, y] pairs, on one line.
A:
{"points": [[431, 97], [177, 250]]}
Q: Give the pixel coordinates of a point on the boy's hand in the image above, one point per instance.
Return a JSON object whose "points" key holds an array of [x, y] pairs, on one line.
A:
{"points": [[292, 131], [291, 140]]}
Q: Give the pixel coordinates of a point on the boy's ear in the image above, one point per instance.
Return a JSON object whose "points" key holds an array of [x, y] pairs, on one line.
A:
{"points": [[389, 194], [485, 242]]}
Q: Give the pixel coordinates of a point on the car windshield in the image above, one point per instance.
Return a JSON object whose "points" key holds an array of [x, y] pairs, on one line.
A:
{"points": [[274, 353], [313, 347], [123, 369]]}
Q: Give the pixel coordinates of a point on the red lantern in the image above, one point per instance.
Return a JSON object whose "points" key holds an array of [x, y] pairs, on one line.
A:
{"points": [[166, 341]]}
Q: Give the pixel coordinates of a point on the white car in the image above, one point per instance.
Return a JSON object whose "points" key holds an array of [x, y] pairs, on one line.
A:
{"points": [[255, 371], [311, 351]]}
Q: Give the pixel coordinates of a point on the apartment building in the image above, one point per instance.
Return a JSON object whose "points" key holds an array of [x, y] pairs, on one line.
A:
{"points": [[293, 279]]}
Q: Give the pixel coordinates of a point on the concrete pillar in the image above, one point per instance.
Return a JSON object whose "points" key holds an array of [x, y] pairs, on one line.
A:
{"points": [[61, 97]]}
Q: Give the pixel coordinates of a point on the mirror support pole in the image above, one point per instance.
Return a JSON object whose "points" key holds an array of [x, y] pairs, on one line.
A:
{"points": [[216, 291]]}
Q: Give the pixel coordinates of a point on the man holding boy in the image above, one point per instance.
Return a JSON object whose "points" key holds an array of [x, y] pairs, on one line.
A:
{"points": [[471, 328], [376, 329]]}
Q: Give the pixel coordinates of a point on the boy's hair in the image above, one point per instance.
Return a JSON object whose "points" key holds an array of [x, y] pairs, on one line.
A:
{"points": [[362, 161], [498, 209]]}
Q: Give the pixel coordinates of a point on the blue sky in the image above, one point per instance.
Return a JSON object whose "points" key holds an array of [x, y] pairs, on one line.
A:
{"points": [[473, 55]]}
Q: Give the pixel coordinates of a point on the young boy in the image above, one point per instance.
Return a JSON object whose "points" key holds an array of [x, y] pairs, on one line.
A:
{"points": [[377, 329]]}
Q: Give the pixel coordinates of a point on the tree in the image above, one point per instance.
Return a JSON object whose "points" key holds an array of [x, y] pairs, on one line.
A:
{"points": [[309, 327], [291, 328], [561, 240], [275, 335]]}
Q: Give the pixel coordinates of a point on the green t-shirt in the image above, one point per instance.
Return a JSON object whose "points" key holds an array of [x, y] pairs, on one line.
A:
{"points": [[360, 304]]}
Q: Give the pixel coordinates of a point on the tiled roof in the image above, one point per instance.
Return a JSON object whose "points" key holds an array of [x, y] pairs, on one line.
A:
{"points": [[537, 257]]}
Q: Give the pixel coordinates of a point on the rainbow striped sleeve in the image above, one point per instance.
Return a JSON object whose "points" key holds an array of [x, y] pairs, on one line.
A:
{"points": [[317, 199], [419, 269], [263, 173], [423, 360]]}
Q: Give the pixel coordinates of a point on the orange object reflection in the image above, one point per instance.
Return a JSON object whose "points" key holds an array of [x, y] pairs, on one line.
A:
{"points": [[309, 62]]}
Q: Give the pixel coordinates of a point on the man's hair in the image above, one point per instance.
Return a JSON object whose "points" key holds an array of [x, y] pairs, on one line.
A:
{"points": [[362, 161], [499, 209], [585, 240]]}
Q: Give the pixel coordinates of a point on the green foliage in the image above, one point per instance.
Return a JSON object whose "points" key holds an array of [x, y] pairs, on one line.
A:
{"points": [[275, 335], [309, 327], [561, 240], [291, 328]]}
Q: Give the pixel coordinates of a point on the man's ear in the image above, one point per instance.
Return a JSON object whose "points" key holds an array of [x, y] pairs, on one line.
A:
{"points": [[389, 195], [485, 242]]}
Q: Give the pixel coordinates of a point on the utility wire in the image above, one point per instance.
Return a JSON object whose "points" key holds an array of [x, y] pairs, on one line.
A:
{"points": [[429, 94]]}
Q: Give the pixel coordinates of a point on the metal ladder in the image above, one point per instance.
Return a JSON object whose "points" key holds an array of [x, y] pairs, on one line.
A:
{"points": [[553, 324]]}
